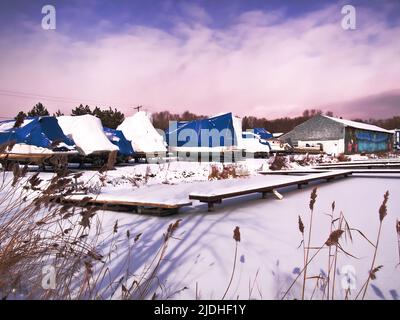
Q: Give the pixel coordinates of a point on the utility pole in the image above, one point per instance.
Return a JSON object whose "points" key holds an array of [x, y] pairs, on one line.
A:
{"points": [[138, 108]]}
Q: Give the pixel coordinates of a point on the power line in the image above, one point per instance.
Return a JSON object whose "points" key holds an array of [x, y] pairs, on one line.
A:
{"points": [[44, 97], [26, 95]]}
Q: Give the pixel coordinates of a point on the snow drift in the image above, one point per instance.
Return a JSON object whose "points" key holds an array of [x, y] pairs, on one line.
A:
{"points": [[87, 133], [145, 138]]}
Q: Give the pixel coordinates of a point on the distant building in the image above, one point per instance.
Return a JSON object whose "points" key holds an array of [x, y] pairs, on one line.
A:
{"points": [[396, 139], [337, 136]]}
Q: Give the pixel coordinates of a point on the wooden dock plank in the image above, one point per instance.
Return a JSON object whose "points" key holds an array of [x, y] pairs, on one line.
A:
{"points": [[264, 187], [293, 172], [361, 162], [375, 171], [140, 206], [131, 203], [312, 171]]}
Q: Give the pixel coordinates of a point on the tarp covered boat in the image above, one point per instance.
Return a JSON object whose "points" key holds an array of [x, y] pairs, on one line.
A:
{"points": [[263, 133], [87, 133], [39, 132], [219, 133], [142, 134], [117, 138]]}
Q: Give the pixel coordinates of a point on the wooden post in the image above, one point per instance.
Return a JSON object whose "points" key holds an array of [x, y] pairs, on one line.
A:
{"points": [[301, 184], [277, 194], [210, 206], [264, 194]]}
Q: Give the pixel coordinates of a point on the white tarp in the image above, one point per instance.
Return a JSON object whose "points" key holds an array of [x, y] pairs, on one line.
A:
{"points": [[87, 133], [145, 138]]}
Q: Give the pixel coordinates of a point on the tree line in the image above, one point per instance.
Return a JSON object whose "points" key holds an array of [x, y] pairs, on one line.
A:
{"points": [[283, 124], [112, 118]]}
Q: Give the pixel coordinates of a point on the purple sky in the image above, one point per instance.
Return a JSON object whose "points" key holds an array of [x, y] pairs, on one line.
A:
{"points": [[262, 58]]}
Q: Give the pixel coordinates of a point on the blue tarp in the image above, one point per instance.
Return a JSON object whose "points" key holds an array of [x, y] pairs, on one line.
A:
{"points": [[40, 132], [264, 134], [212, 132], [118, 139]]}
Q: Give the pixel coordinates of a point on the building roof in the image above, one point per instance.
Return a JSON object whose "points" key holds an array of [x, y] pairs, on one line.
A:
{"points": [[359, 125]]}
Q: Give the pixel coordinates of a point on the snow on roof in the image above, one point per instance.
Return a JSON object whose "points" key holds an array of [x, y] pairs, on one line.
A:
{"points": [[358, 125]]}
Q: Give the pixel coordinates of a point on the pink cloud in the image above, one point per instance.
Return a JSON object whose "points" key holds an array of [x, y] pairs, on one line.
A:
{"points": [[262, 65]]}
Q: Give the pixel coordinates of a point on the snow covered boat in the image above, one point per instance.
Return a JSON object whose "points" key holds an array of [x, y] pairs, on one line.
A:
{"points": [[145, 139], [33, 140], [117, 138], [87, 133], [255, 145]]}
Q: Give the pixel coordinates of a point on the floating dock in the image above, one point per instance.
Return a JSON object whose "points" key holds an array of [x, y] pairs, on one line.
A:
{"points": [[169, 199], [263, 187], [128, 204]]}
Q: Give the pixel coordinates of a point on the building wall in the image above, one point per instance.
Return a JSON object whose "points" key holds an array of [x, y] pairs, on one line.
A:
{"points": [[357, 141], [333, 147], [318, 128], [396, 139]]}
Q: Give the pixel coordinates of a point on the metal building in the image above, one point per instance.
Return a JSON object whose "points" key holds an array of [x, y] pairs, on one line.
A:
{"points": [[336, 136]]}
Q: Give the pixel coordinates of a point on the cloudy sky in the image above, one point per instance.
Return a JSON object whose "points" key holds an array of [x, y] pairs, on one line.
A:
{"points": [[265, 58]]}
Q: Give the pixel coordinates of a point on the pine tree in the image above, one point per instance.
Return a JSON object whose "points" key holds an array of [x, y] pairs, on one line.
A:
{"points": [[58, 113], [39, 110], [19, 119], [81, 110], [109, 118]]}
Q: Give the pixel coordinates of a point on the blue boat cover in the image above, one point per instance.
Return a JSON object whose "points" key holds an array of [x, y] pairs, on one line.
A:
{"points": [[202, 133], [40, 132], [264, 134], [117, 138]]}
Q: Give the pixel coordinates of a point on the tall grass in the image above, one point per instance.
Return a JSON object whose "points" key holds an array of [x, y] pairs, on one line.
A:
{"points": [[226, 172], [37, 229], [313, 198], [398, 237], [339, 228], [374, 269], [236, 237]]}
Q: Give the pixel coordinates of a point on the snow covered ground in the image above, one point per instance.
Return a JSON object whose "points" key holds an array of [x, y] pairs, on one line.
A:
{"points": [[268, 256], [200, 257]]}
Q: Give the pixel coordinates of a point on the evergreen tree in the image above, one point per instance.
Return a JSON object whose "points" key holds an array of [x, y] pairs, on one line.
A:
{"points": [[81, 110], [109, 118], [58, 113], [39, 110], [19, 119]]}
